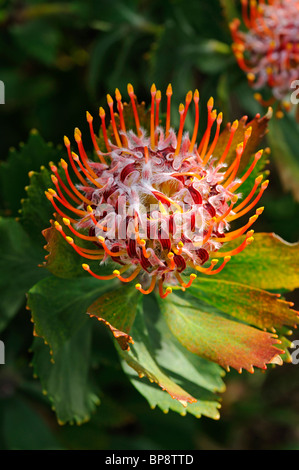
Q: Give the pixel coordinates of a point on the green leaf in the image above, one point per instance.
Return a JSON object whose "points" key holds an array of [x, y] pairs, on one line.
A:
{"points": [[45, 49], [59, 306], [19, 260], [169, 64], [254, 306], [36, 210], [140, 359], [269, 263], [157, 356], [14, 172], [59, 309], [100, 51], [206, 405], [66, 380], [207, 333], [210, 56]]}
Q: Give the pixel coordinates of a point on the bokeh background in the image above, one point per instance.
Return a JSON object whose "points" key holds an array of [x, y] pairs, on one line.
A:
{"points": [[59, 59]]}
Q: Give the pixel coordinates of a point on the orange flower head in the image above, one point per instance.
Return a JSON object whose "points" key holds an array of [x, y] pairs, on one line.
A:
{"points": [[155, 201]]}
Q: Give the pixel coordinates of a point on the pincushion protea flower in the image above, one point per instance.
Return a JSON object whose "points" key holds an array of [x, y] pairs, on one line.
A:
{"points": [[269, 51], [156, 202]]}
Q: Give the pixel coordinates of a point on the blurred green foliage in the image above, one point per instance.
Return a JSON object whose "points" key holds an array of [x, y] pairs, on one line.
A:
{"points": [[59, 59]]}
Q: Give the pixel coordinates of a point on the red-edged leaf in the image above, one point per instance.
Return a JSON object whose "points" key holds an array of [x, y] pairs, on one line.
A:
{"points": [[63, 261], [117, 310], [269, 263], [253, 306], [218, 339]]}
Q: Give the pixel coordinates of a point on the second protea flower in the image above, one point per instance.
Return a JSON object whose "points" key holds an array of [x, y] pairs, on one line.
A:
{"points": [[269, 51], [155, 201]]}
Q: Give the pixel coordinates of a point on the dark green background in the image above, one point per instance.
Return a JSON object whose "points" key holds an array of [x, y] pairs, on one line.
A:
{"points": [[59, 59]]}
